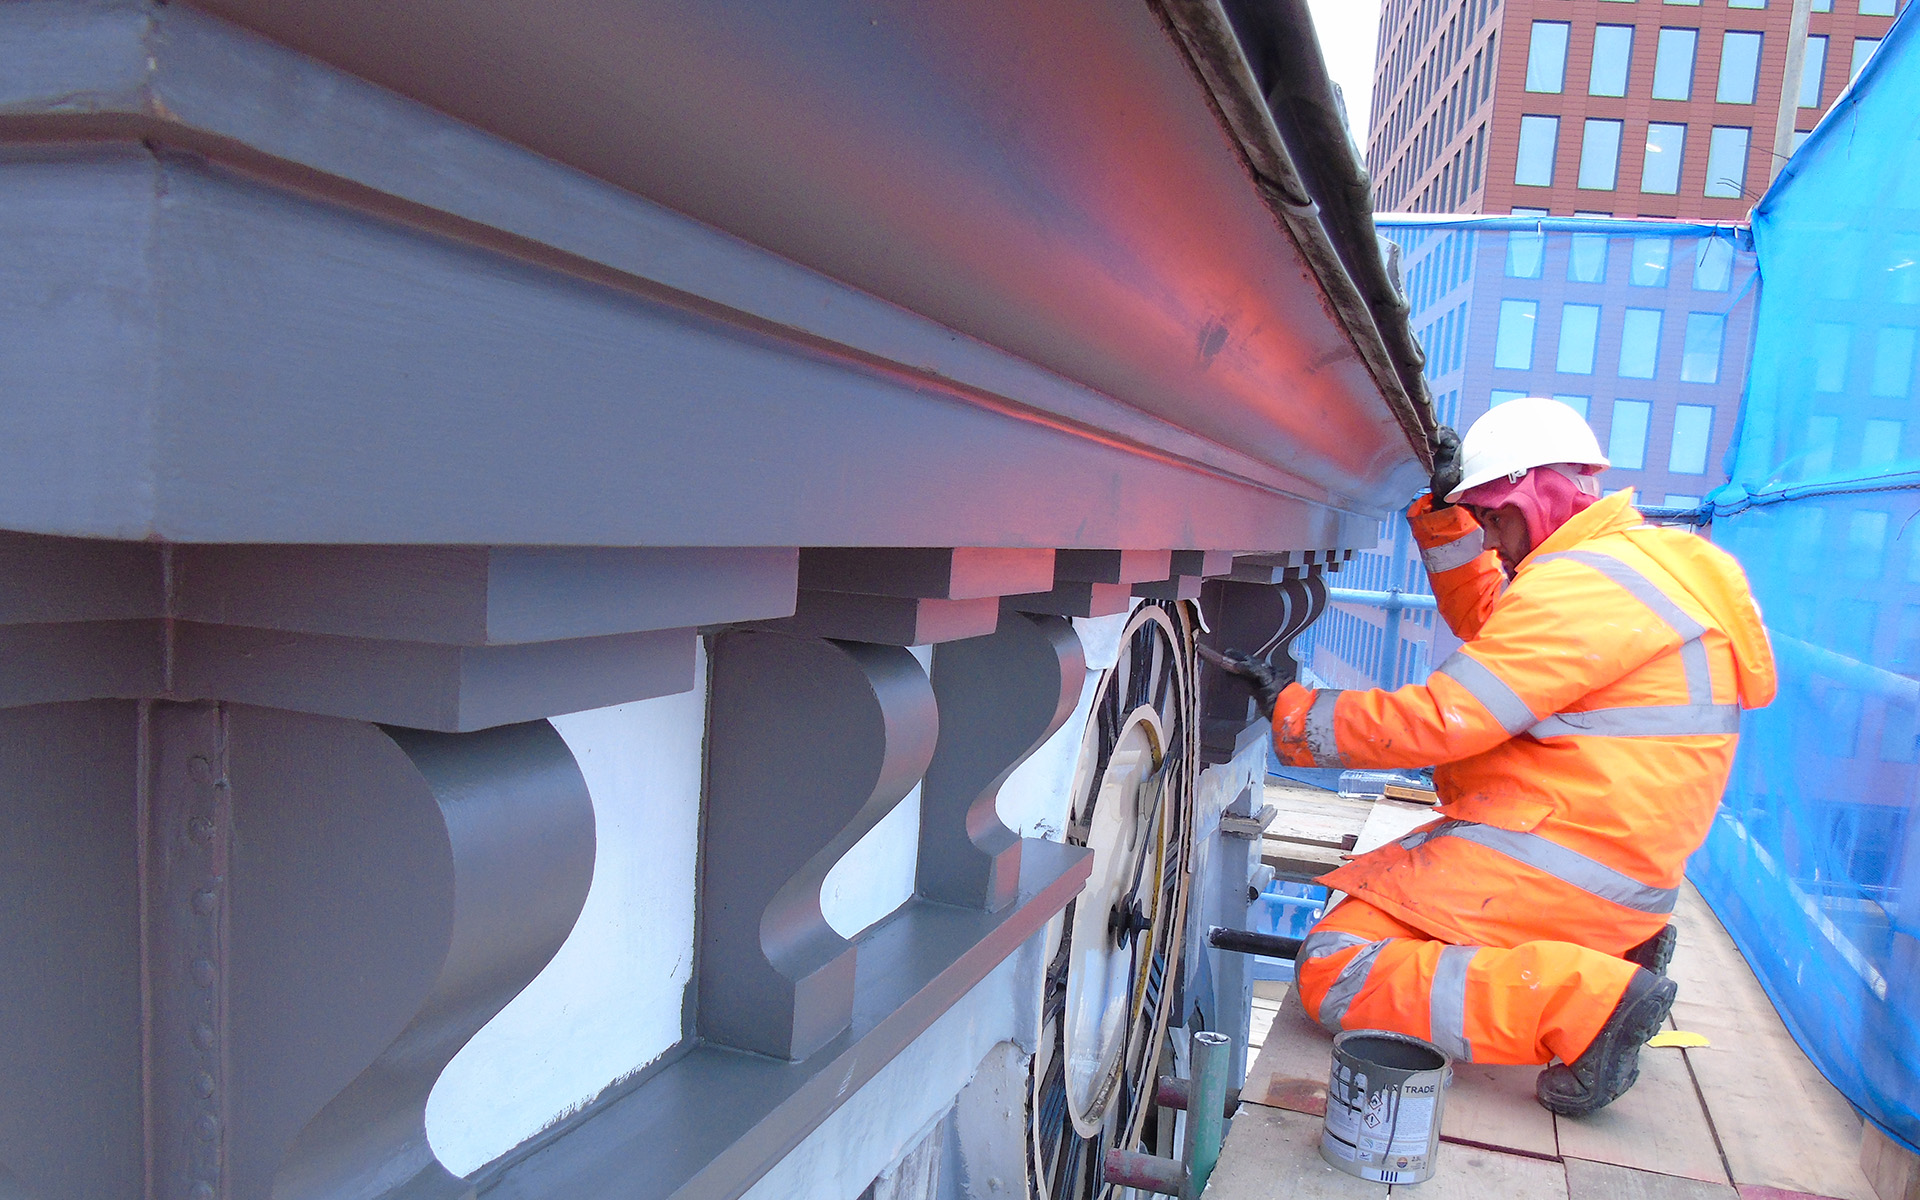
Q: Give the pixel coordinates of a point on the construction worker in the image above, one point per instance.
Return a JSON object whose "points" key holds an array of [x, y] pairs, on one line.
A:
{"points": [[1582, 734]]}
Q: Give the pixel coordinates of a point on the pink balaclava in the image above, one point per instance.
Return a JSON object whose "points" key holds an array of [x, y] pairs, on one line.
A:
{"points": [[1547, 497]]}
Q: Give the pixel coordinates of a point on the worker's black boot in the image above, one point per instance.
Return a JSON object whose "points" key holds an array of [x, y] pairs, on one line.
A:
{"points": [[1656, 952], [1608, 1067]]}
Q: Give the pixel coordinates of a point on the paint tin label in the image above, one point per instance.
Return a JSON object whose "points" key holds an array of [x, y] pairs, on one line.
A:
{"points": [[1384, 1103]]}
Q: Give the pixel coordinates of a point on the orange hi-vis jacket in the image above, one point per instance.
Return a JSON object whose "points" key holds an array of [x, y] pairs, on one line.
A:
{"points": [[1583, 733]]}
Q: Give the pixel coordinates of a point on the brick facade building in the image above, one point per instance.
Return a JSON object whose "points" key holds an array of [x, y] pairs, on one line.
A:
{"points": [[1615, 107]]}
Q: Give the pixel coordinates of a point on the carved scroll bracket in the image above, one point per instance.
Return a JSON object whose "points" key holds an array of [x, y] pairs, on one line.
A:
{"points": [[391, 891], [1000, 696], [1262, 618], [810, 743]]}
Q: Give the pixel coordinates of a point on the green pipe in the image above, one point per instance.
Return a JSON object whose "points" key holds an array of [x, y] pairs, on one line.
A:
{"points": [[1206, 1115]]}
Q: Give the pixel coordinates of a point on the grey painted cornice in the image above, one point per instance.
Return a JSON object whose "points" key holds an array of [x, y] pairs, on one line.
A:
{"points": [[268, 301]]}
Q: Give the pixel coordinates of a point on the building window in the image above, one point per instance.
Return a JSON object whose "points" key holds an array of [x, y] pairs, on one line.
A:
{"points": [[1713, 265], [1824, 6], [1863, 49], [1513, 344], [1876, 8], [1830, 340], [1822, 432], [1599, 154], [1651, 256], [1692, 430], [1502, 395], [1880, 444], [1739, 67], [1660, 170], [1627, 439], [1547, 57], [1612, 53], [1727, 162], [1673, 64], [1640, 343], [1685, 3], [1813, 71], [1539, 139], [1866, 544], [1579, 331], [1700, 357], [1893, 361], [1526, 252], [1576, 403], [1746, 3], [1587, 258]]}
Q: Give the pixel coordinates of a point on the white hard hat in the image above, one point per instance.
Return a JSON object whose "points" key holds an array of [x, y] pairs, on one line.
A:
{"points": [[1525, 432]]}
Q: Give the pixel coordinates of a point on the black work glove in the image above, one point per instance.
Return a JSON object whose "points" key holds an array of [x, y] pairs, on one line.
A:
{"points": [[1446, 465], [1266, 680]]}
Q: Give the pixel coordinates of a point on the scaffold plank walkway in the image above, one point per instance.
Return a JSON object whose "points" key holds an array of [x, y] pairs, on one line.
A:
{"points": [[1744, 1118]]}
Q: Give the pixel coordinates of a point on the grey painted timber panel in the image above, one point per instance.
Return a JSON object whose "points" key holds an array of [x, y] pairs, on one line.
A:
{"points": [[1076, 600], [70, 1004], [1204, 564], [1178, 587], [1112, 566], [889, 620], [474, 595], [76, 579], [1119, 241], [959, 573], [513, 406], [85, 660], [427, 686], [170, 76]]}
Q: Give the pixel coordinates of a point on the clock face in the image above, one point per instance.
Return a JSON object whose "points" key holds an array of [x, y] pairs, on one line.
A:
{"points": [[1107, 995]]}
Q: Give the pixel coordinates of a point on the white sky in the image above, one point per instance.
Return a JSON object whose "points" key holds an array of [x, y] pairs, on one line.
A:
{"points": [[1348, 30]]}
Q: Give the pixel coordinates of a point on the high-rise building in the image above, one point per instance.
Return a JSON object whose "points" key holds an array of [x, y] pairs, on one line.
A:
{"points": [[1681, 108], [1642, 327]]}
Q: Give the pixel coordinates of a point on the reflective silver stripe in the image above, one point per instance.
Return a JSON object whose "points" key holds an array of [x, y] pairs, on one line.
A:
{"points": [[1563, 864], [1322, 942], [1347, 985], [1490, 690], [1700, 715], [1447, 1002], [1693, 660], [1457, 553], [1644, 590], [1322, 742], [1652, 720]]}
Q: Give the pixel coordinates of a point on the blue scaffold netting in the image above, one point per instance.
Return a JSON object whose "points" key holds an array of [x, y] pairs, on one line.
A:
{"points": [[1814, 862]]}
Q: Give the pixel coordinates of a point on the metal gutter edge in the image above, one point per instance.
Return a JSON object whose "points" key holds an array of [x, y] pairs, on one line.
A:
{"points": [[1338, 243]]}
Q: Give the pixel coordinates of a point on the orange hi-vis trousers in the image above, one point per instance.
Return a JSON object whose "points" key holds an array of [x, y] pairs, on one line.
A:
{"points": [[1521, 1003]]}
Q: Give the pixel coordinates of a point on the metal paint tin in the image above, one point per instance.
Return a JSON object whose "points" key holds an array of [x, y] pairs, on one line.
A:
{"points": [[1384, 1101]]}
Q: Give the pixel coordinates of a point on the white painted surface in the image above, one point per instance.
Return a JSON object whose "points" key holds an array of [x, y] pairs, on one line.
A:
{"points": [[989, 1126], [1033, 800], [1100, 637], [877, 875], [885, 1119], [610, 1001]]}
